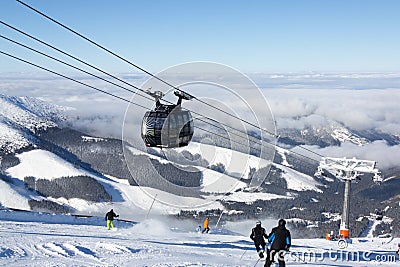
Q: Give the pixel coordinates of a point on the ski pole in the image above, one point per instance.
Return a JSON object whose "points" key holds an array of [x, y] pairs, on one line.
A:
{"points": [[151, 206], [244, 252], [257, 262]]}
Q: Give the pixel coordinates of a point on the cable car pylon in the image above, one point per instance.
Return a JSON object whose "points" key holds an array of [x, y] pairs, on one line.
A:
{"points": [[347, 171]]}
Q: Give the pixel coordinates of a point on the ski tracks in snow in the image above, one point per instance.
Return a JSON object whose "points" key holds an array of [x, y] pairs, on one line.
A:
{"points": [[88, 246], [66, 250], [87, 253]]}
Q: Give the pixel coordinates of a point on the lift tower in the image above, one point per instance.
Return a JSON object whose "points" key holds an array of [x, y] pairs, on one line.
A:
{"points": [[347, 171]]}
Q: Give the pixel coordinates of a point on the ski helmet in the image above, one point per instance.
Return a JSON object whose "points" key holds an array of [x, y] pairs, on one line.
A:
{"points": [[258, 222], [282, 222]]}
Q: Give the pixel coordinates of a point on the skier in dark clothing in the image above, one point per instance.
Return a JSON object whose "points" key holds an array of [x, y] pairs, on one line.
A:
{"points": [[281, 241], [257, 235], [109, 218]]}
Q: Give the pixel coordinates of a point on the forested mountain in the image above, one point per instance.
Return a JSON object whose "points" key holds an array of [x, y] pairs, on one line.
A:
{"points": [[50, 167]]}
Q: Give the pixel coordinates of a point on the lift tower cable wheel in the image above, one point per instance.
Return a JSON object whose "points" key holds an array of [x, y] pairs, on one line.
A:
{"points": [[347, 171]]}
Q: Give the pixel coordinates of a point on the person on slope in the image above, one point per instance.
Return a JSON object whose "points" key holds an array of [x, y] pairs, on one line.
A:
{"points": [[281, 241], [205, 226], [257, 235], [109, 218], [398, 251]]}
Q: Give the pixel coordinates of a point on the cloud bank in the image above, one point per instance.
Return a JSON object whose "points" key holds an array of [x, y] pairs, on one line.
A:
{"points": [[358, 101]]}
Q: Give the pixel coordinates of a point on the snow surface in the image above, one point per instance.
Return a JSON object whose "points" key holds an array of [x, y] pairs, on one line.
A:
{"points": [[282, 153], [215, 182], [38, 239], [298, 181], [27, 112], [11, 198], [21, 116], [12, 139], [92, 139], [44, 165], [250, 197], [236, 163], [344, 135]]}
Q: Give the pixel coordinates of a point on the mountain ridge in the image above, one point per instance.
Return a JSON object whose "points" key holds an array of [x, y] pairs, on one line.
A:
{"points": [[289, 190]]}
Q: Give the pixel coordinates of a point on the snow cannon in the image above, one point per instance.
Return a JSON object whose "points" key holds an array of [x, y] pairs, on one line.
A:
{"points": [[344, 233]]}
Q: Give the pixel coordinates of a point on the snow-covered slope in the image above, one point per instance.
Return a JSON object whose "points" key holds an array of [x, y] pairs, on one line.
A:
{"points": [[33, 239], [11, 198], [331, 133], [21, 117], [298, 181], [43, 164], [12, 139], [236, 163], [344, 135]]}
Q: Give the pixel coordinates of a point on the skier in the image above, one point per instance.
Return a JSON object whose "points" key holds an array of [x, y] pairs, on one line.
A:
{"points": [[205, 226], [398, 250], [280, 240], [257, 235], [109, 218]]}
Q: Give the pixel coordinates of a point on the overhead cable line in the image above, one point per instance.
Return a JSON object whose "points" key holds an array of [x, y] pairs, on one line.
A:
{"points": [[69, 65], [138, 67], [154, 76], [102, 91], [118, 79], [141, 106], [123, 99], [69, 78], [71, 56]]}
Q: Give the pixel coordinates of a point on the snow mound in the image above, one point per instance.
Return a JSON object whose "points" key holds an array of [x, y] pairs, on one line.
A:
{"points": [[152, 227]]}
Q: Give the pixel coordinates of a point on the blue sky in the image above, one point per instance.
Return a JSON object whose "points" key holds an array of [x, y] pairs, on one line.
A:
{"points": [[251, 36]]}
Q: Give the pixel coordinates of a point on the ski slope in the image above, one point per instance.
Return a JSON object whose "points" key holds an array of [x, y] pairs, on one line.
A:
{"points": [[43, 164], [20, 117], [46, 165], [38, 239]]}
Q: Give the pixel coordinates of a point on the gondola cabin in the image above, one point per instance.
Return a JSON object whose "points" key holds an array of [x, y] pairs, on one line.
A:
{"points": [[167, 126]]}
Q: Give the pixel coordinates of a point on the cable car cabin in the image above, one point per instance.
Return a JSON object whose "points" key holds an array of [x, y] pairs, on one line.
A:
{"points": [[167, 126]]}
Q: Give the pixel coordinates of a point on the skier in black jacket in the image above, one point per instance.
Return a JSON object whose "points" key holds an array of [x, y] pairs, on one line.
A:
{"points": [[257, 235], [281, 241], [109, 218]]}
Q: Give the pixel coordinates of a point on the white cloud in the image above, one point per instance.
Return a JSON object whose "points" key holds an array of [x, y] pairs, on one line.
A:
{"points": [[356, 109], [359, 101], [386, 156]]}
